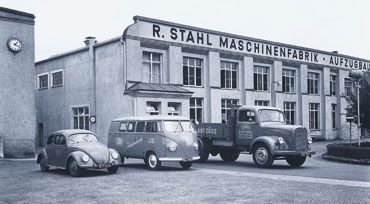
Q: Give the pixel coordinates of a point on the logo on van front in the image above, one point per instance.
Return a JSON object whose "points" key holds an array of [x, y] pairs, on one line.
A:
{"points": [[119, 141]]}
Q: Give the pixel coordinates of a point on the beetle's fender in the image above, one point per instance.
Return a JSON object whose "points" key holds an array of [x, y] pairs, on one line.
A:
{"points": [[77, 155], [270, 141], [41, 154]]}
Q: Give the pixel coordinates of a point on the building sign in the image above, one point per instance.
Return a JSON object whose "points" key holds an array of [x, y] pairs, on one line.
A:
{"points": [[243, 45]]}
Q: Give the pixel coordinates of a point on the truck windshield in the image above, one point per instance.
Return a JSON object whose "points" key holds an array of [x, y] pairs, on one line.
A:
{"points": [[82, 137], [271, 116], [178, 126]]}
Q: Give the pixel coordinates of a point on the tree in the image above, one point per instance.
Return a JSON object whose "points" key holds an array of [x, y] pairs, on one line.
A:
{"points": [[364, 102]]}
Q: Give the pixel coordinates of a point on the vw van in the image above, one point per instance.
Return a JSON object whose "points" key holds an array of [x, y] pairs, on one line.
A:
{"points": [[155, 139]]}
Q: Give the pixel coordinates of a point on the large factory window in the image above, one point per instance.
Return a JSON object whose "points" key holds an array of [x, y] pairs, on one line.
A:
{"points": [[229, 75], [196, 109], [152, 67], [289, 111], [288, 79], [333, 84], [314, 116], [226, 108], [313, 83], [192, 71], [81, 118], [261, 103], [333, 115], [261, 78]]}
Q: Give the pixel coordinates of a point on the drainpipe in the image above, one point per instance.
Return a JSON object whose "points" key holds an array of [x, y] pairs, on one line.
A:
{"points": [[90, 42]]}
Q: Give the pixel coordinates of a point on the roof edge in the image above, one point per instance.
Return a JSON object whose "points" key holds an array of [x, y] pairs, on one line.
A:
{"points": [[22, 13]]}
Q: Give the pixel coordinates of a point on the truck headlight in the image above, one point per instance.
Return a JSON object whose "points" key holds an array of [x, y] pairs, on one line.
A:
{"points": [[280, 140], [196, 146], [115, 155], [172, 147], [309, 140], [85, 158]]}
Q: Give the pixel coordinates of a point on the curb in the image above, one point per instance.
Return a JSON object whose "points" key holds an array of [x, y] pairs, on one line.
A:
{"points": [[345, 159], [18, 160]]}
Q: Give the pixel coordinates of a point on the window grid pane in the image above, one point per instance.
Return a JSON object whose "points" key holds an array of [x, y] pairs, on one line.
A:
{"points": [[81, 118], [261, 78], [152, 67], [229, 74]]}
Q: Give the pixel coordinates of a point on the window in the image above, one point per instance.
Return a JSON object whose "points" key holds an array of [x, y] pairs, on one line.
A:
{"points": [[333, 84], [174, 108], [313, 83], [152, 63], [348, 86], [289, 112], [50, 140], [314, 116], [43, 81], [261, 78], [131, 126], [57, 78], [81, 118], [288, 81], [123, 127], [151, 127], [140, 126], [261, 103], [60, 140], [229, 74], [192, 71], [226, 108], [153, 108], [196, 109], [246, 116], [333, 115]]}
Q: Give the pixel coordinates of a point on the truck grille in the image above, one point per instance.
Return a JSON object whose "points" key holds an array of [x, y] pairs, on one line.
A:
{"points": [[301, 143]]}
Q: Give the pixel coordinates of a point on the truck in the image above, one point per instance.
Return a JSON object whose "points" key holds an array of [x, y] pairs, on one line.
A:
{"points": [[257, 130]]}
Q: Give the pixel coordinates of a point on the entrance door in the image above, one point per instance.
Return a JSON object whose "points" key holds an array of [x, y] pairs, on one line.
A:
{"points": [[246, 127]]}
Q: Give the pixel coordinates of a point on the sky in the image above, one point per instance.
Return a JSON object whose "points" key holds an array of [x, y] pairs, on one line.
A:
{"points": [[329, 25]]}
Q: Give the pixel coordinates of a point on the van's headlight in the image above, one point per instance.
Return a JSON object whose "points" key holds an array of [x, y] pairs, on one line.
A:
{"points": [[85, 158], [115, 155], [172, 147], [309, 140], [196, 146], [280, 140]]}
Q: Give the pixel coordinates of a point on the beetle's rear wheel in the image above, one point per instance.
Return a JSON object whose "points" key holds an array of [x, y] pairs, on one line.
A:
{"points": [[229, 155], [296, 161], [43, 164], [262, 156], [73, 168]]}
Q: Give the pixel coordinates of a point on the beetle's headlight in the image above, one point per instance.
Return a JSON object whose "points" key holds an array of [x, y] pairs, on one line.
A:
{"points": [[309, 140], [172, 147], [280, 140], [85, 158], [115, 155], [196, 146]]}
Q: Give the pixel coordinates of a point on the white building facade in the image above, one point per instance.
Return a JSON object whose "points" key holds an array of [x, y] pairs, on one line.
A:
{"points": [[160, 67]]}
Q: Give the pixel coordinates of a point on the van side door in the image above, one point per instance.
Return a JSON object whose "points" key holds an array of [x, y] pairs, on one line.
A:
{"points": [[128, 139], [246, 127]]}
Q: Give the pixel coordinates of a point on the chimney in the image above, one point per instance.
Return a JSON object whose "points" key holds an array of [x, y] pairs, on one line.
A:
{"points": [[90, 41]]}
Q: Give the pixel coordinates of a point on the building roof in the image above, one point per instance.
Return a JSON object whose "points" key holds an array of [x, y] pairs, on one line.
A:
{"points": [[16, 16], [151, 117], [21, 13], [151, 87]]}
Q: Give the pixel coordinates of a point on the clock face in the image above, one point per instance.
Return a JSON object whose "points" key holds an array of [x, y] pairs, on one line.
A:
{"points": [[14, 45]]}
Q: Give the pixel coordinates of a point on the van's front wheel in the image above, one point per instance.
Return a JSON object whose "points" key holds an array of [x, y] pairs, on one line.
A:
{"points": [[152, 161], [186, 165]]}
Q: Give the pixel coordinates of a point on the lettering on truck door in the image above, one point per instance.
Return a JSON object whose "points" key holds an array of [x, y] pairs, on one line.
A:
{"points": [[246, 127]]}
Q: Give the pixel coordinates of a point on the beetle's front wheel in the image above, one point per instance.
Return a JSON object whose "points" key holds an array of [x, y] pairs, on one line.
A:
{"points": [[262, 156], [296, 161], [73, 168], [186, 165]]}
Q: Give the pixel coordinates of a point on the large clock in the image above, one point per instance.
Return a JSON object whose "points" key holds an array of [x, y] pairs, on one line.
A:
{"points": [[14, 44]]}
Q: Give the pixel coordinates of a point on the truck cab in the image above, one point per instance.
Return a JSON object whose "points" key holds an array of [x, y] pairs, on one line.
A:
{"points": [[257, 130]]}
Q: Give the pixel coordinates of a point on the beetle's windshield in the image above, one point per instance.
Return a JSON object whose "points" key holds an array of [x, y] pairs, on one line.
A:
{"points": [[271, 116], [82, 137], [178, 126]]}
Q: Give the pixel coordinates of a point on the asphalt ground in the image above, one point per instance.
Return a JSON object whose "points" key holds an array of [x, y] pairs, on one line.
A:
{"points": [[317, 181]]}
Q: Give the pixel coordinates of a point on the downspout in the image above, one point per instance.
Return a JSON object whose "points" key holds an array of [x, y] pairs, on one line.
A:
{"points": [[90, 42]]}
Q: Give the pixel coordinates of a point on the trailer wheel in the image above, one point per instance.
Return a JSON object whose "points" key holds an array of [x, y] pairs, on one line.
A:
{"points": [[203, 151], [296, 161], [229, 155], [262, 156]]}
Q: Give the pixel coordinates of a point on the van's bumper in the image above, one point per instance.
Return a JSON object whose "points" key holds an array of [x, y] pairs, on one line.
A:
{"points": [[179, 159], [296, 153]]}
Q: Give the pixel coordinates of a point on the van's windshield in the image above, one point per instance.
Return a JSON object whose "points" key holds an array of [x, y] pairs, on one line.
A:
{"points": [[178, 126]]}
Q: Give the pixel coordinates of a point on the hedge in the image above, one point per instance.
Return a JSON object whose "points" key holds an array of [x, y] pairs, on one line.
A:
{"points": [[350, 150]]}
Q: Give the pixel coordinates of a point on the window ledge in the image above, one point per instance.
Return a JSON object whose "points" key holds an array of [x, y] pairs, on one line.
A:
{"points": [[43, 88], [55, 86]]}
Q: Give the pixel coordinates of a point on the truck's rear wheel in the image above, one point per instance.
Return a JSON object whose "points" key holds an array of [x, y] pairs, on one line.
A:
{"points": [[229, 155], [203, 151], [295, 161], [262, 156]]}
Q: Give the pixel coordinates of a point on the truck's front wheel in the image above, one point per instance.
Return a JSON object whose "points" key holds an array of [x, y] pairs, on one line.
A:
{"points": [[296, 161], [262, 156], [229, 155]]}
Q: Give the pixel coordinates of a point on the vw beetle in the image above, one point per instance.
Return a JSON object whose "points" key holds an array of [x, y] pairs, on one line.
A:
{"points": [[75, 150]]}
